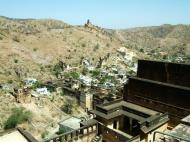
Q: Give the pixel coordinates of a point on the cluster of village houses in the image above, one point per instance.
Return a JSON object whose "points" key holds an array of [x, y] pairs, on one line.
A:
{"points": [[103, 77]]}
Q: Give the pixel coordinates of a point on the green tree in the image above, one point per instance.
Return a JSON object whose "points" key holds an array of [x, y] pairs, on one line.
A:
{"points": [[58, 68], [19, 115], [69, 106], [44, 134], [95, 73], [73, 75], [61, 131], [83, 45]]}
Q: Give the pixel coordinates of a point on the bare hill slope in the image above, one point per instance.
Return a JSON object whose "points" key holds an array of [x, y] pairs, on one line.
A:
{"points": [[28, 47]]}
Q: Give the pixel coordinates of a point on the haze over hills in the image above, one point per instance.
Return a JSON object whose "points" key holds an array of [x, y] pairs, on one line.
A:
{"points": [[29, 47]]}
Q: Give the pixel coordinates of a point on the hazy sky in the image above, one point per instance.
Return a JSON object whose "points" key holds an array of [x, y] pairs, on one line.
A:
{"points": [[105, 13]]}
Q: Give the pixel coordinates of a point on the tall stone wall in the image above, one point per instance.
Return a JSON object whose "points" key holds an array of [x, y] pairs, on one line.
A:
{"points": [[173, 73], [109, 135], [159, 96]]}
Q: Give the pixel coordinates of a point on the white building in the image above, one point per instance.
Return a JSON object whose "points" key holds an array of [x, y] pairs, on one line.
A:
{"points": [[86, 80], [42, 91], [30, 81]]}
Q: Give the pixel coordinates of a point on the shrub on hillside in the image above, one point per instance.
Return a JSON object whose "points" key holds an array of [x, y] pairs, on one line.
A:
{"points": [[35, 49], [69, 106], [15, 60], [96, 47], [44, 134], [57, 69], [83, 45], [15, 38], [95, 73], [141, 50], [108, 45], [73, 75], [19, 115]]}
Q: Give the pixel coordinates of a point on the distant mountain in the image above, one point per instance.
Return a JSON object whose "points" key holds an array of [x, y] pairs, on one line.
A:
{"points": [[30, 26], [171, 39]]}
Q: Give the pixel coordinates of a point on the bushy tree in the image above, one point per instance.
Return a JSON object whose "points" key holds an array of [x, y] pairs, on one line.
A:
{"points": [[18, 116], [73, 75], [61, 131], [95, 73], [58, 68], [69, 106], [44, 134]]}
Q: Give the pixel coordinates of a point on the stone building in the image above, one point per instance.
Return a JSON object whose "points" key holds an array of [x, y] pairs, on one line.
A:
{"points": [[123, 121], [161, 84], [86, 100], [160, 88]]}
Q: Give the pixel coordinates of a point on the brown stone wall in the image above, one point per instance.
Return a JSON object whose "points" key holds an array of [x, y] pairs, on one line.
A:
{"points": [[125, 91], [110, 135], [159, 96], [173, 73], [85, 138]]}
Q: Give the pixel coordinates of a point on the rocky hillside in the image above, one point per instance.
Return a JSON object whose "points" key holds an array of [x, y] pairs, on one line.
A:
{"points": [[30, 47], [165, 41]]}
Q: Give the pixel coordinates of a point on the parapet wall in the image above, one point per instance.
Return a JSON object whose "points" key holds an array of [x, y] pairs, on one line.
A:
{"points": [[83, 134], [110, 135], [173, 73]]}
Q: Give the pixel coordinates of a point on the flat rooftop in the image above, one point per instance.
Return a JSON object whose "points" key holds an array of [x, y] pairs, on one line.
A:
{"points": [[131, 106], [118, 113], [147, 118], [71, 122], [13, 136], [186, 120], [120, 107], [182, 130]]}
